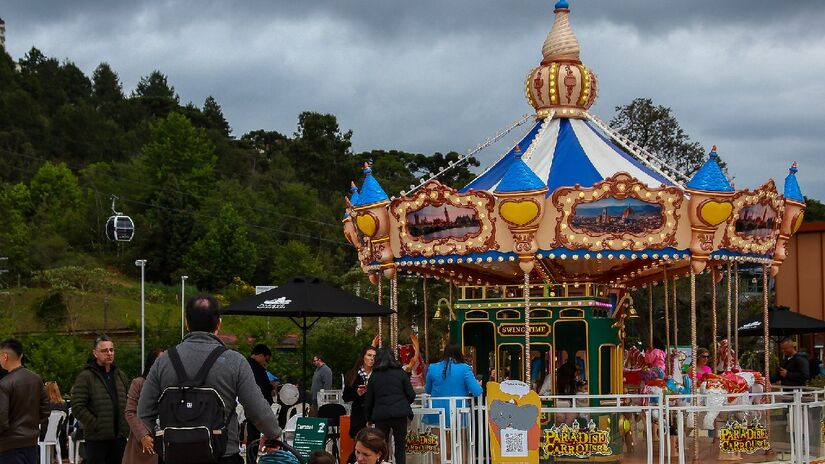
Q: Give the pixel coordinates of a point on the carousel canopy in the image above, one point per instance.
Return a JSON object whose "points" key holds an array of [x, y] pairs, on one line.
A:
{"points": [[567, 152]]}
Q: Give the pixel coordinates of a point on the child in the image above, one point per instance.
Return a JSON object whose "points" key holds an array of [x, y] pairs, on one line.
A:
{"points": [[321, 457]]}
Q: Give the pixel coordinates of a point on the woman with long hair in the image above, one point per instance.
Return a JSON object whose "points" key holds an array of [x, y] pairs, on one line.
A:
{"points": [[355, 388], [140, 449], [56, 403], [388, 399], [449, 377], [371, 447]]}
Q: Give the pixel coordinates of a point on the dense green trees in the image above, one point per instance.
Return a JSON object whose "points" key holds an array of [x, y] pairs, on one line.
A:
{"points": [[263, 206]]}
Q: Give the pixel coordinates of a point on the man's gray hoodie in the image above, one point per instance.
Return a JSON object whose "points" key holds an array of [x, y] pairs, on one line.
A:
{"points": [[231, 376]]}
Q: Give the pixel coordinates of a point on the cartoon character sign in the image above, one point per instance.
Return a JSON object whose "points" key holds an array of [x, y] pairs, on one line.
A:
{"points": [[513, 422]]}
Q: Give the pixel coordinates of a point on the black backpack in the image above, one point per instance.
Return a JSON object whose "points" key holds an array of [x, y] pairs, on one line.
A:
{"points": [[192, 417]]}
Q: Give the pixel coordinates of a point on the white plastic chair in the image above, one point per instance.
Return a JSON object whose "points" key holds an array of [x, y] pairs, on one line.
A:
{"points": [[289, 428], [276, 409], [300, 409], [51, 438]]}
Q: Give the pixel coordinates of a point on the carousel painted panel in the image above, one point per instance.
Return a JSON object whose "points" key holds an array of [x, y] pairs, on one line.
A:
{"points": [[437, 220], [753, 226], [619, 213]]}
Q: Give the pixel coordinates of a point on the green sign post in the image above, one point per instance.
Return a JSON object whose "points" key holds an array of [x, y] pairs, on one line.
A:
{"points": [[310, 435]]}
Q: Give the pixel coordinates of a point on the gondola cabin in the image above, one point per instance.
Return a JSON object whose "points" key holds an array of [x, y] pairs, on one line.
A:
{"points": [[120, 228]]}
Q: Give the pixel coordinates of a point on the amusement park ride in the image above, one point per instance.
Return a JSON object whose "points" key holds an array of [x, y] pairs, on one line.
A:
{"points": [[554, 234], [546, 244]]}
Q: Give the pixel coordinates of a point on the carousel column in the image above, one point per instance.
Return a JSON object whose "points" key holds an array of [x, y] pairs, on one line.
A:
{"points": [[426, 324], [728, 358], [394, 315], [675, 318], [766, 333], [667, 321], [650, 312], [736, 307], [713, 305], [527, 366], [380, 319], [694, 347]]}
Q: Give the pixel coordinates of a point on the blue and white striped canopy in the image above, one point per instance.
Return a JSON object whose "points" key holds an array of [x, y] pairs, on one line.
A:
{"points": [[565, 152]]}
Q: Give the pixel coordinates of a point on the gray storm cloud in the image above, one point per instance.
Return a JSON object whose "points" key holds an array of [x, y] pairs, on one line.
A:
{"points": [[437, 76]]}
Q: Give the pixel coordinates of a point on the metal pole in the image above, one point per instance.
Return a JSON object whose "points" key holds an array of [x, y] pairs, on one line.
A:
{"points": [[142, 264], [182, 302]]}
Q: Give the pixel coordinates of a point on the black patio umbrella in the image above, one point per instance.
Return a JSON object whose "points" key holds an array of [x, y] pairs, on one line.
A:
{"points": [[782, 322], [306, 297]]}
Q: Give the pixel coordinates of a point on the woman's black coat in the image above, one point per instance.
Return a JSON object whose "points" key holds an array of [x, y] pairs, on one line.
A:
{"points": [[389, 395]]}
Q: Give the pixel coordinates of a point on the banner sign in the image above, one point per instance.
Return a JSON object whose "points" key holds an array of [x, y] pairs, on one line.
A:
{"points": [[310, 435], [736, 436], [422, 443], [541, 328], [513, 422], [564, 440]]}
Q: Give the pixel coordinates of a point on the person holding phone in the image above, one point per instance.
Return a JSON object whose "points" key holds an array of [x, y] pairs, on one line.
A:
{"points": [[355, 388]]}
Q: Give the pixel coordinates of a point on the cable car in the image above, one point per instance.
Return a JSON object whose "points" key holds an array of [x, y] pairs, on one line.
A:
{"points": [[119, 227]]}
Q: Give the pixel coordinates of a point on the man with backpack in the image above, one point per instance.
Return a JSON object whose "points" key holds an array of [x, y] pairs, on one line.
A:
{"points": [[191, 392]]}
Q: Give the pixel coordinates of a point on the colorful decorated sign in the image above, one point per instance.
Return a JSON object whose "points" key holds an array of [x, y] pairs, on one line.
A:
{"points": [[422, 443], [513, 422], [757, 220], [613, 215], [565, 440], [541, 328], [744, 437], [441, 221]]}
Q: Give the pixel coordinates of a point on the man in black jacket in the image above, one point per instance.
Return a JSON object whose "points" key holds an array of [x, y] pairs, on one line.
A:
{"points": [[21, 407], [258, 360], [793, 368], [99, 401]]}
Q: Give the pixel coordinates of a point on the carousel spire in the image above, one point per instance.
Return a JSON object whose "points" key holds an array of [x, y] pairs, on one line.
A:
{"points": [[792, 190], [561, 43], [710, 177], [353, 189], [562, 85], [371, 191]]}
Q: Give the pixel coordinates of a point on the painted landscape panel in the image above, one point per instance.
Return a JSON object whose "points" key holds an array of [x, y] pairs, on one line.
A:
{"points": [[756, 221], [613, 216], [432, 222]]}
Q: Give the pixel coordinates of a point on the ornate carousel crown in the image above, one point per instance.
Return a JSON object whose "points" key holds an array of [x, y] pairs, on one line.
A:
{"points": [[562, 83]]}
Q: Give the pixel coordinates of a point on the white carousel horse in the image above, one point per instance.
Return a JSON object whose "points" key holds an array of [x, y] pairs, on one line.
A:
{"points": [[676, 383]]}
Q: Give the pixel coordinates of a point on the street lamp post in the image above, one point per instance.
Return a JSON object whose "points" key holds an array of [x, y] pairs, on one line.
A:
{"points": [[141, 263], [182, 301]]}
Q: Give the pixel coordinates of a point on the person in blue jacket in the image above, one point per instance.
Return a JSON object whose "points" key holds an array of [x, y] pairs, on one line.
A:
{"points": [[450, 377]]}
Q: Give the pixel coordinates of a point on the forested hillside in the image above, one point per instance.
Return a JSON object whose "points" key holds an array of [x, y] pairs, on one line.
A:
{"points": [[214, 205]]}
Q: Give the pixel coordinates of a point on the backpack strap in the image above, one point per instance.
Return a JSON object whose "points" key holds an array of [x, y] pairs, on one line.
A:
{"points": [[178, 365], [200, 377]]}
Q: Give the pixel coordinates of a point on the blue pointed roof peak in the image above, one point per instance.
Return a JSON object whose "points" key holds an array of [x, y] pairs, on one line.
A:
{"points": [[353, 189], [792, 190], [710, 176], [562, 4], [371, 191], [519, 178]]}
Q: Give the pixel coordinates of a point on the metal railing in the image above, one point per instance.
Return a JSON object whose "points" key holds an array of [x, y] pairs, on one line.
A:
{"points": [[793, 421]]}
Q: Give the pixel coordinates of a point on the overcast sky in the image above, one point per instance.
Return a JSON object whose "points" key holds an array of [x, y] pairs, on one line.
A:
{"points": [[441, 75]]}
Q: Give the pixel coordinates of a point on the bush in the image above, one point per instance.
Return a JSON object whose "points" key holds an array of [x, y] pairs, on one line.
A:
{"points": [[52, 311]]}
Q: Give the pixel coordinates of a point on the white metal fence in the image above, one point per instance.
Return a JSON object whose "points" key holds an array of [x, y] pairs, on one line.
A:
{"points": [[777, 426]]}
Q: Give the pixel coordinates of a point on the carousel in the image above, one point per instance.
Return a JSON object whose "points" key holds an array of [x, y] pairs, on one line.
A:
{"points": [[546, 245]]}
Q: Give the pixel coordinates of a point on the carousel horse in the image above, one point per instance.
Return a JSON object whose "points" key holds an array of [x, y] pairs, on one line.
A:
{"points": [[676, 383], [725, 357], [634, 363], [719, 388], [410, 357]]}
